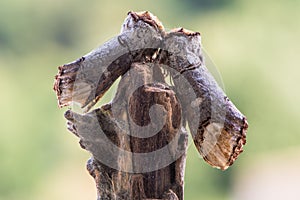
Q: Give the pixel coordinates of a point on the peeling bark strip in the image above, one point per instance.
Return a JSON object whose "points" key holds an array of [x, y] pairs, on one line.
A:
{"points": [[138, 54]]}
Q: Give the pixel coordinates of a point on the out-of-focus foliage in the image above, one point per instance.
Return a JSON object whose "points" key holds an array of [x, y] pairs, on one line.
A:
{"points": [[255, 45], [206, 5]]}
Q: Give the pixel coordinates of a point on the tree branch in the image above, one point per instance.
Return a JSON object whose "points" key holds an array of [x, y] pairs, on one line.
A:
{"points": [[145, 163]]}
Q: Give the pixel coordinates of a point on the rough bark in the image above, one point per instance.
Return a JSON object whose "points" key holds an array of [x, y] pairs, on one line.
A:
{"points": [[129, 125]]}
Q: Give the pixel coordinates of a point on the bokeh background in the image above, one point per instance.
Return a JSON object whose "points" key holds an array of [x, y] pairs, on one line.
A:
{"points": [[255, 45]]}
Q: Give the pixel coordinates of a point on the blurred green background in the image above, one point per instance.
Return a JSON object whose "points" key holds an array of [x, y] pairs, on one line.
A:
{"points": [[255, 45]]}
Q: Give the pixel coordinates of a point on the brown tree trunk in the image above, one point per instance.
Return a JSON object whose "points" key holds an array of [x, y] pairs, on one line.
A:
{"points": [[143, 119]]}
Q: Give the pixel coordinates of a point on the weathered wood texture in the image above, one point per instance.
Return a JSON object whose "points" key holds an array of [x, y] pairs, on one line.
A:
{"points": [[121, 122], [146, 115]]}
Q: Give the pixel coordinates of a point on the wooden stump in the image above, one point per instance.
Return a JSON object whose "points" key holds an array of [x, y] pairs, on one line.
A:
{"points": [[143, 119]]}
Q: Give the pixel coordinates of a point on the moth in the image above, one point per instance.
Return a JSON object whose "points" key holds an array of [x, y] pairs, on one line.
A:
{"points": [[218, 128]]}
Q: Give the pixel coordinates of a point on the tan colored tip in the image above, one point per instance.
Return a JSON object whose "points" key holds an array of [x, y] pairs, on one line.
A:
{"points": [[147, 17]]}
